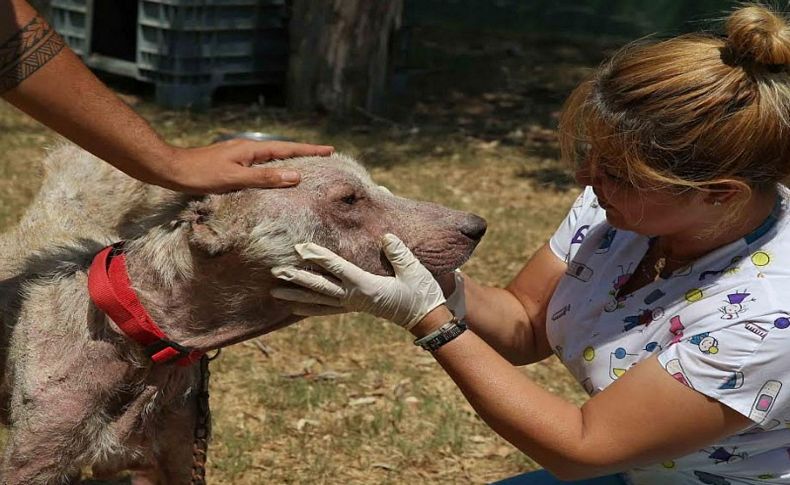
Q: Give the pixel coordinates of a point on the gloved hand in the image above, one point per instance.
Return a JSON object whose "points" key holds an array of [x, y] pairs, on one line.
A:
{"points": [[456, 300], [403, 299]]}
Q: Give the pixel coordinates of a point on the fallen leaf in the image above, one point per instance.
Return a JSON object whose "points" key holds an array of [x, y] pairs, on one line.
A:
{"points": [[362, 401]]}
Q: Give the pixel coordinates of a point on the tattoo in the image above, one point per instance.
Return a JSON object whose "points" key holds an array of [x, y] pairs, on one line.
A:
{"points": [[24, 53]]}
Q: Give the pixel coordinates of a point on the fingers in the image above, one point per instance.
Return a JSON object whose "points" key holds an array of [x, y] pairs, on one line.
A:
{"points": [[250, 175], [295, 295], [398, 254], [330, 261], [307, 310], [271, 150], [264, 178], [312, 281], [307, 303]]}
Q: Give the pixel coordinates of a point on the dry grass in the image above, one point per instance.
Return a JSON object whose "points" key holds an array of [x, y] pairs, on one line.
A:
{"points": [[349, 399]]}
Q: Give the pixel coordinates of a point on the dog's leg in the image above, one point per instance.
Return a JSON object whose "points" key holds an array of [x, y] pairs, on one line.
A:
{"points": [[175, 444], [55, 430], [28, 459], [149, 477]]}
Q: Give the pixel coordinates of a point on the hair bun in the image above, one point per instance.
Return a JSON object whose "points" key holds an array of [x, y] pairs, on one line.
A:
{"points": [[757, 34]]}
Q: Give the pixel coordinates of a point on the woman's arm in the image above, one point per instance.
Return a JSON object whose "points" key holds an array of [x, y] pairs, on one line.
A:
{"points": [[645, 417], [512, 320], [45, 79]]}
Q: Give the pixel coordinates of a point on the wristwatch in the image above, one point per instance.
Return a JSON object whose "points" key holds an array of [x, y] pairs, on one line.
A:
{"points": [[442, 335]]}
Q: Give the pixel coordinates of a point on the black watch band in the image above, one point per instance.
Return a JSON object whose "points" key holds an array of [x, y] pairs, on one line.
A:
{"points": [[446, 333]]}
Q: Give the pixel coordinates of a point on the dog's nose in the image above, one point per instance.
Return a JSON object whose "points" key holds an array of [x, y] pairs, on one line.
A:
{"points": [[473, 227]]}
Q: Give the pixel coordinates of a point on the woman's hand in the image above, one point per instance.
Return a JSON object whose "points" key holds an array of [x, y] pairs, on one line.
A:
{"points": [[403, 299]]}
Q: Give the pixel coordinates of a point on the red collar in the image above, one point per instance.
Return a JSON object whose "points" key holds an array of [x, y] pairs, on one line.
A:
{"points": [[111, 291]]}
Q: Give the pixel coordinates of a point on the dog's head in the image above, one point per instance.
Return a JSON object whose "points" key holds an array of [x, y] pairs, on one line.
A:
{"points": [[235, 239], [338, 206]]}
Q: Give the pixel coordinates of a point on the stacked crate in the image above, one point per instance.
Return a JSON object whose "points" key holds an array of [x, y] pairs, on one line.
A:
{"points": [[186, 48]]}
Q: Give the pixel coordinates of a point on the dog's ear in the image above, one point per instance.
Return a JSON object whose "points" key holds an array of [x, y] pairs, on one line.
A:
{"points": [[206, 232]]}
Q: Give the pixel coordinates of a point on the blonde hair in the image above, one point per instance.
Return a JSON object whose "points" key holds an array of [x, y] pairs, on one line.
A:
{"points": [[690, 110]]}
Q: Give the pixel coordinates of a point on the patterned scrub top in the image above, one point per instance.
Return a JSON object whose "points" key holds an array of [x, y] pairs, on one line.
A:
{"points": [[721, 326]]}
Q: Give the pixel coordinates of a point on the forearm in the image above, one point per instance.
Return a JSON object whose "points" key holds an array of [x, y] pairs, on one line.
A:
{"points": [[547, 428], [52, 85], [499, 318]]}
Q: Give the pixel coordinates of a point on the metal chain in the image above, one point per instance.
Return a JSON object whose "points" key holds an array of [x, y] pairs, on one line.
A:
{"points": [[202, 425]]}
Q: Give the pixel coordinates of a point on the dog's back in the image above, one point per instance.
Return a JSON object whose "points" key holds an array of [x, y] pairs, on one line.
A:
{"points": [[81, 199]]}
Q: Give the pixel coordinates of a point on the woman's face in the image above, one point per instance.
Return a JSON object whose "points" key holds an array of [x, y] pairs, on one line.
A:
{"points": [[648, 212]]}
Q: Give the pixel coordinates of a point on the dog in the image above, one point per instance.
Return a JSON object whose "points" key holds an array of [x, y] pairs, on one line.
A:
{"points": [[77, 392]]}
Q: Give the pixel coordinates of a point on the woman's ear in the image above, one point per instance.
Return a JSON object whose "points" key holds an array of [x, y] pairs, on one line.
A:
{"points": [[206, 232], [725, 191]]}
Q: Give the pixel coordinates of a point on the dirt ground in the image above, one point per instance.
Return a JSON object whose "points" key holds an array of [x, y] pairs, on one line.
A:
{"points": [[349, 399]]}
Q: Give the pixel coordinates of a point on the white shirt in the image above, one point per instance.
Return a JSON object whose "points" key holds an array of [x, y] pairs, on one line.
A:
{"points": [[720, 326]]}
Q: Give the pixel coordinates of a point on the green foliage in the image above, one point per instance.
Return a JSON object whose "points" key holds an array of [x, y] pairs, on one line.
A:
{"points": [[629, 18]]}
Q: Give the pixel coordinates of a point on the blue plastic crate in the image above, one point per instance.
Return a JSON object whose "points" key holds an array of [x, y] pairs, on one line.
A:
{"points": [[186, 48]]}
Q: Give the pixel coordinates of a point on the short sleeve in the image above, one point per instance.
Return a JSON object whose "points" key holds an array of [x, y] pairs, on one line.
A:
{"points": [[574, 227], [742, 365]]}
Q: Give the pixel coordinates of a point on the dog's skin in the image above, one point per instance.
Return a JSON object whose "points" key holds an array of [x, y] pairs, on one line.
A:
{"points": [[75, 392]]}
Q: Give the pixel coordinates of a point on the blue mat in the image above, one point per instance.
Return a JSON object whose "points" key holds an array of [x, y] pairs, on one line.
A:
{"points": [[542, 477]]}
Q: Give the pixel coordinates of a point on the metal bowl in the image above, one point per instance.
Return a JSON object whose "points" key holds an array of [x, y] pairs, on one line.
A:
{"points": [[252, 135]]}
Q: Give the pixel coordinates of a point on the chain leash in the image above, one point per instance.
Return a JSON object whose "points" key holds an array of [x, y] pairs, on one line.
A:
{"points": [[202, 425]]}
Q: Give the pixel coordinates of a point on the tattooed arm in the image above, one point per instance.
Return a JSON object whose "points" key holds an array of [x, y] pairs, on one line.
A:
{"points": [[45, 79]]}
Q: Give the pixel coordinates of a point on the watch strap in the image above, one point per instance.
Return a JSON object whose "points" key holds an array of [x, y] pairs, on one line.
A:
{"points": [[442, 335]]}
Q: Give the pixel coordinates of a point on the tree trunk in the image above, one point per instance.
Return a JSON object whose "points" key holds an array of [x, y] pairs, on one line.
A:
{"points": [[339, 59]]}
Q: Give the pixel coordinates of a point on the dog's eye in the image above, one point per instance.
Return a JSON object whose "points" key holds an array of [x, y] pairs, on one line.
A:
{"points": [[349, 199]]}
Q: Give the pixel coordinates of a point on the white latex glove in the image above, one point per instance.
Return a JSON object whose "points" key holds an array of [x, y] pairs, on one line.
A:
{"points": [[403, 299], [456, 301]]}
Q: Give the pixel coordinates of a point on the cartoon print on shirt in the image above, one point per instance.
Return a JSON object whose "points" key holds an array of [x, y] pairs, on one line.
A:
{"points": [[765, 400], [588, 386], [644, 317], [734, 381], [722, 455], [676, 328], [735, 305], [581, 232], [706, 342], [579, 271], [691, 305], [607, 241], [676, 370], [693, 295], [756, 329], [782, 323], [589, 354], [684, 271], [654, 296], [616, 300], [561, 312], [771, 424], [760, 259], [766, 476], [620, 361], [653, 346], [710, 478], [730, 269], [558, 351]]}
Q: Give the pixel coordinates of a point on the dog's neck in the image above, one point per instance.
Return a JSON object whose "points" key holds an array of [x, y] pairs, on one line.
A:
{"points": [[201, 302]]}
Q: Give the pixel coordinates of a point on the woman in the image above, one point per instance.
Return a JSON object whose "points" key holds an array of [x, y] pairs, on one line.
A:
{"points": [[664, 291]]}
